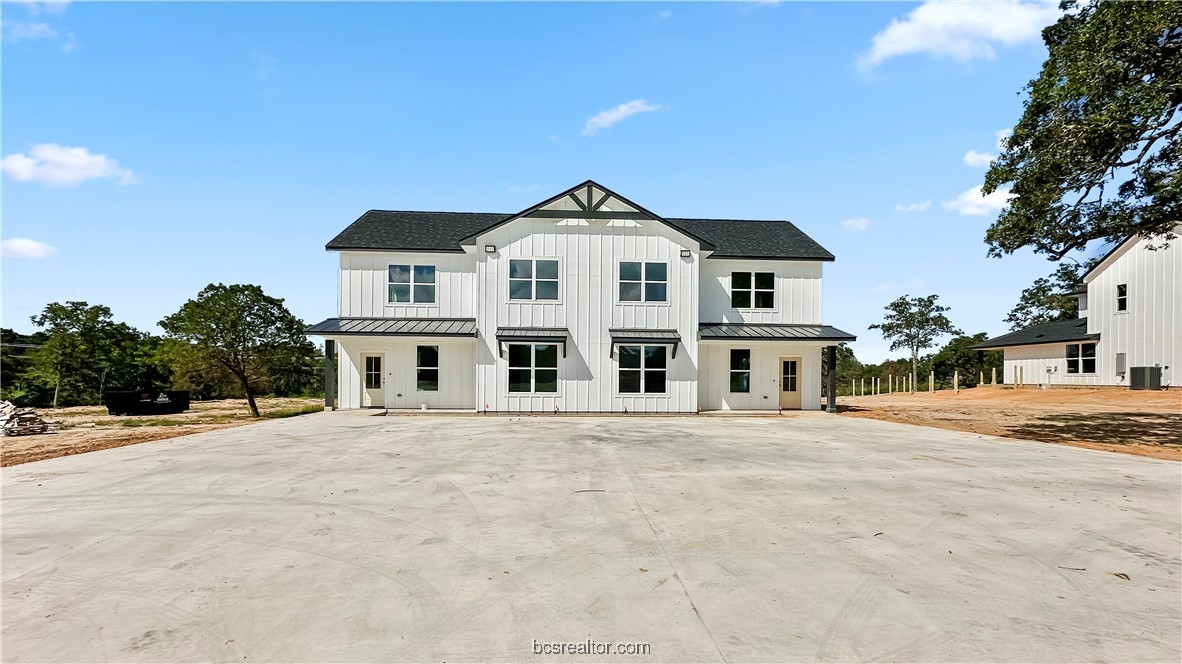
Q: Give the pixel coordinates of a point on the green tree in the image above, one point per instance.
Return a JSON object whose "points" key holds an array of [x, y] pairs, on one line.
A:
{"points": [[240, 330], [959, 355], [1047, 300], [914, 323], [1097, 153], [83, 352]]}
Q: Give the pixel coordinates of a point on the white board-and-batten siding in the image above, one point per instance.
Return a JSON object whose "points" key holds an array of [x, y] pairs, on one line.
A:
{"points": [[588, 305], [364, 278], [457, 373], [797, 299], [1149, 332]]}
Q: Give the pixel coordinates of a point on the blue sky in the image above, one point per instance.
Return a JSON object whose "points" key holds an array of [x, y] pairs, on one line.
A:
{"points": [[150, 149]]}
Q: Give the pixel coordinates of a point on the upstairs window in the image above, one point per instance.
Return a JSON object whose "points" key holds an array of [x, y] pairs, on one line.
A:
{"points": [[643, 282], [427, 369], [1081, 358], [533, 368], [411, 283], [753, 290], [1122, 297], [741, 370], [642, 369], [531, 279]]}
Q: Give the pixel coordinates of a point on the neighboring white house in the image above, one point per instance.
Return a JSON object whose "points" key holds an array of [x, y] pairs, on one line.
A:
{"points": [[1130, 315], [585, 302]]}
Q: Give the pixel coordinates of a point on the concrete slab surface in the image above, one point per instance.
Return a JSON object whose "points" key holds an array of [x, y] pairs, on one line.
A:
{"points": [[347, 538]]}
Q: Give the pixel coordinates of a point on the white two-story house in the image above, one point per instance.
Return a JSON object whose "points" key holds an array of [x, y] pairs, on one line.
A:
{"points": [[1130, 316], [585, 302]]}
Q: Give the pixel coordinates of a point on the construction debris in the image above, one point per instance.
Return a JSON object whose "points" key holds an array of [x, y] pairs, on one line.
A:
{"points": [[23, 421]]}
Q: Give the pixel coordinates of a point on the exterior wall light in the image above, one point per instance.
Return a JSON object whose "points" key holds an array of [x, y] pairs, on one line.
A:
{"points": [[686, 253], [490, 249]]}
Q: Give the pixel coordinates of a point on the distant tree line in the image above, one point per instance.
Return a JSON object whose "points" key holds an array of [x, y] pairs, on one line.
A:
{"points": [[914, 324], [228, 342]]}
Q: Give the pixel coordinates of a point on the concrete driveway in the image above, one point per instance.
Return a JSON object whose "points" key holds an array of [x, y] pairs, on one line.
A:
{"points": [[347, 537]]}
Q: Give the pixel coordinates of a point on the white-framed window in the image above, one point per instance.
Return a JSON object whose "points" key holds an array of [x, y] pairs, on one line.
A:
{"points": [[753, 290], [1122, 297], [533, 279], [741, 370], [427, 368], [533, 368], [644, 281], [373, 372], [643, 369], [1081, 358], [411, 283]]}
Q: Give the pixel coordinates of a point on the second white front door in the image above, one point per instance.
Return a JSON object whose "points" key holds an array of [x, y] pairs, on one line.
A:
{"points": [[373, 381]]}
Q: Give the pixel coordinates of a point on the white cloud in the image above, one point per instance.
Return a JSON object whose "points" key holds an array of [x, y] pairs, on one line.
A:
{"points": [[978, 159], [974, 203], [913, 207], [23, 247], [856, 225], [266, 65], [18, 31], [961, 30], [665, 14], [57, 165], [1002, 136], [611, 116]]}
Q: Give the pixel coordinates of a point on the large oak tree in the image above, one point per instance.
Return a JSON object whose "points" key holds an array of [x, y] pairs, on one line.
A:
{"points": [[1097, 154], [242, 331]]}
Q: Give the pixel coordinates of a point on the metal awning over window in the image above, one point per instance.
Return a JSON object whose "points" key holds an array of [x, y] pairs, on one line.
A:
{"points": [[645, 337], [531, 335]]}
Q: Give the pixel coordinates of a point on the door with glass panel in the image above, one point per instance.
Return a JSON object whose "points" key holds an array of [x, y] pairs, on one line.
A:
{"points": [[789, 382], [373, 381]]}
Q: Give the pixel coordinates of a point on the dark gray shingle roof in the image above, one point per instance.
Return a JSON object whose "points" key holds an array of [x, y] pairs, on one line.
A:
{"points": [[772, 331], [401, 327], [393, 230], [1062, 331]]}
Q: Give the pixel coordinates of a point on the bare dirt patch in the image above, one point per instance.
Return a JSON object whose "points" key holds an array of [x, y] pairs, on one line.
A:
{"points": [[1119, 420], [90, 428]]}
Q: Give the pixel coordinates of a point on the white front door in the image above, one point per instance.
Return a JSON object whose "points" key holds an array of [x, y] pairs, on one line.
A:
{"points": [[373, 381]]}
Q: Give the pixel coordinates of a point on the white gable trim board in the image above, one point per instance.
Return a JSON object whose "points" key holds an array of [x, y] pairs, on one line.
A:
{"points": [[660, 366]]}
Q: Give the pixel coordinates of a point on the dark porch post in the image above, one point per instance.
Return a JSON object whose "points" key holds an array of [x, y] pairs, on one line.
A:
{"points": [[832, 382], [330, 374]]}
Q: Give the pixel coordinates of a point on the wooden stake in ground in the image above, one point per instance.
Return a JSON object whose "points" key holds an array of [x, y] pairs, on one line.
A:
{"points": [[932, 382], [956, 382], [981, 379], [993, 376]]}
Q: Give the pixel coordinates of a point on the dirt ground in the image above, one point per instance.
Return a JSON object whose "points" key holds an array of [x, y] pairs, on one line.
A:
{"points": [[90, 428], [1120, 420]]}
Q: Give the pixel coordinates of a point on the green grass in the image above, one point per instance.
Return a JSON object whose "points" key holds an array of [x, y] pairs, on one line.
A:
{"points": [[306, 409]]}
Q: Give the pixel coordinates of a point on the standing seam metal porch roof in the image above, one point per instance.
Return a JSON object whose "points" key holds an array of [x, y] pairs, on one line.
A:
{"points": [[396, 327], [772, 332]]}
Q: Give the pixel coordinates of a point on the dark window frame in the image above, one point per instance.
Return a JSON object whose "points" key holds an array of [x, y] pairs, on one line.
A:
{"points": [[645, 372], [643, 282], [1081, 359], [424, 372], [1122, 297], [533, 280], [533, 368], [413, 284], [753, 291], [740, 371]]}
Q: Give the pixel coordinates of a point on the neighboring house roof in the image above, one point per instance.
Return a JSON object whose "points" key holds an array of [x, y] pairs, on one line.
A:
{"points": [[405, 230], [396, 327], [1058, 332], [772, 331]]}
